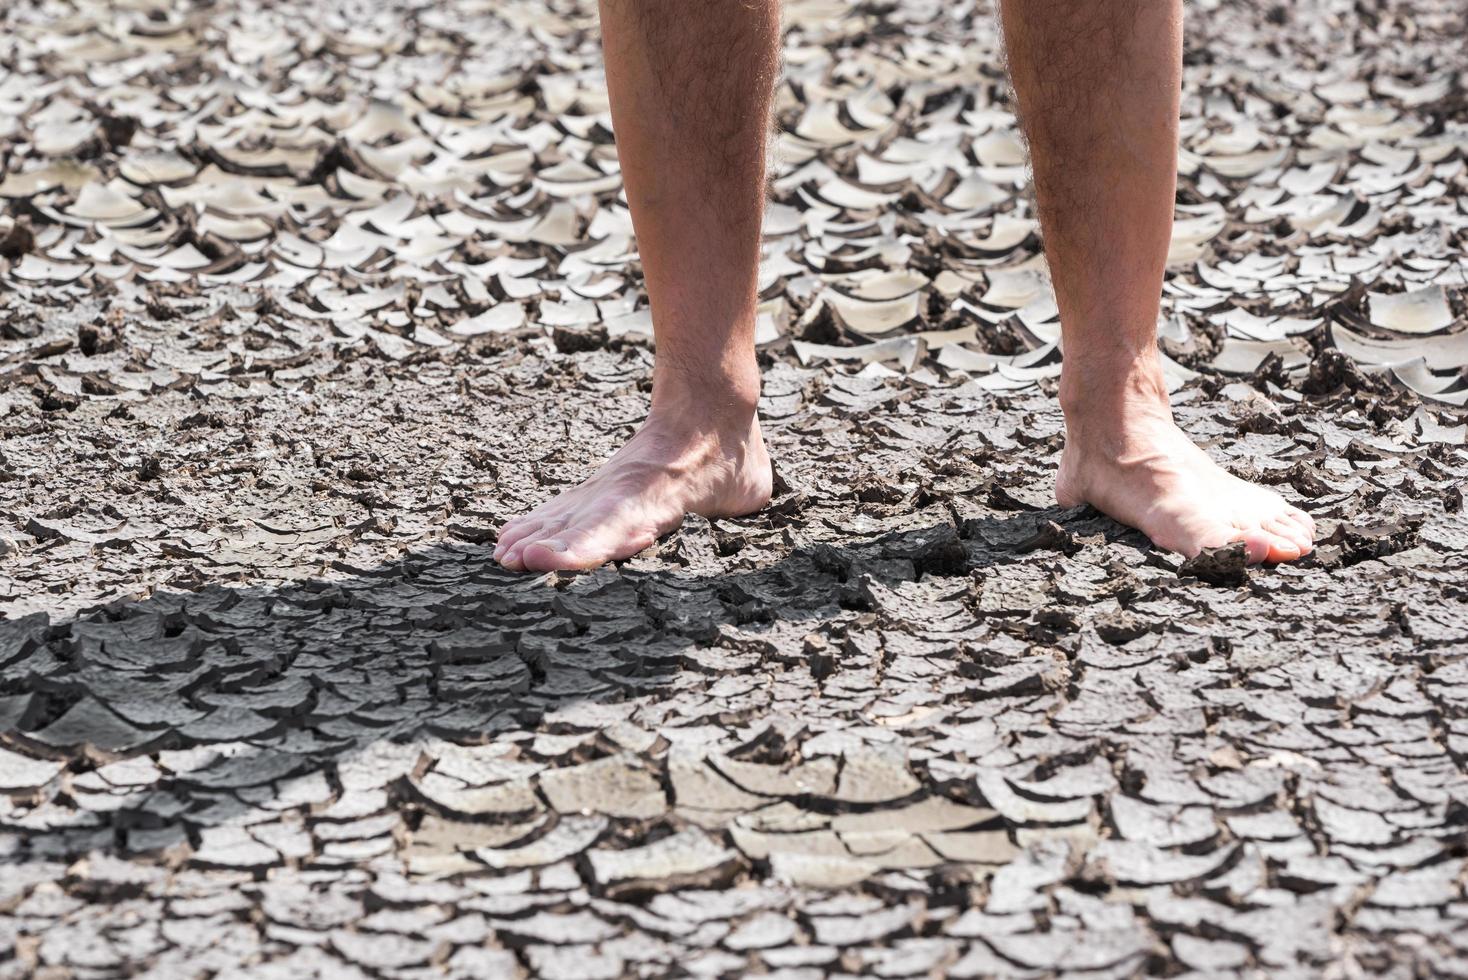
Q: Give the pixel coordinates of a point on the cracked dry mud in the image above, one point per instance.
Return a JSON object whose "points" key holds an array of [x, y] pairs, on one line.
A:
{"points": [[299, 302]]}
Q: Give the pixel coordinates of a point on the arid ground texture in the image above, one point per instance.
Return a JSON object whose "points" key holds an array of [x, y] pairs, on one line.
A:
{"points": [[299, 302]]}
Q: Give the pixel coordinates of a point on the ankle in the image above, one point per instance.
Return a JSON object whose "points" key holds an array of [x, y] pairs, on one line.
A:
{"points": [[1113, 386], [1110, 404], [725, 403], [702, 431]]}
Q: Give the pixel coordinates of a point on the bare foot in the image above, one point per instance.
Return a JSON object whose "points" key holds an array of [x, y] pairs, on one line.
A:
{"points": [[670, 468], [1126, 457]]}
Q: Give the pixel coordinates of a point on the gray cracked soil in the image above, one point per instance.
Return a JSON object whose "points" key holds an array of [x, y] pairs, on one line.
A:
{"points": [[278, 360]]}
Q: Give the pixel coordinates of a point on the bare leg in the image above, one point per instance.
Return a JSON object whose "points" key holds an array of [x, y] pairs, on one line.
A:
{"points": [[691, 105], [1098, 85]]}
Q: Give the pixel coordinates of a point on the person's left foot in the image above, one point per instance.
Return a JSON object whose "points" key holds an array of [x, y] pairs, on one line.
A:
{"points": [[1126, 457]]}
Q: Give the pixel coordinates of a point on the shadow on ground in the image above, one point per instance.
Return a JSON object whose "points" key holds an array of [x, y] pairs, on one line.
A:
{"points": [[239, 693]]}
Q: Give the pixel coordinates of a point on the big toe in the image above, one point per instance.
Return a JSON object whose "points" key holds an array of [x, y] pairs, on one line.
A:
{"points": [[1264, 545], [546, 555]]}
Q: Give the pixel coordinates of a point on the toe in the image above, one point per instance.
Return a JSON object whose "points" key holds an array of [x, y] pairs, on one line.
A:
{"points": [[1266, 545], [1282, 549], [1259, 545], [554, 555], [514, 532], [578, 547], [1288, 530], [1304, 520], [512, 556]]}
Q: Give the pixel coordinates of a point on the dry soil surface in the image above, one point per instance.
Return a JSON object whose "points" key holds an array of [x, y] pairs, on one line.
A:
{"points": [[300, 301]]}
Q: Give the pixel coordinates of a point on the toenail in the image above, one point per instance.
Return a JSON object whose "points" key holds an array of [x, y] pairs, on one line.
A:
{"points": [[552, 544]]}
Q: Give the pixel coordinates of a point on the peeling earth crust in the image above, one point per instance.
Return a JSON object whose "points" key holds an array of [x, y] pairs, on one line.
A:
{"points": [[300, 302]]}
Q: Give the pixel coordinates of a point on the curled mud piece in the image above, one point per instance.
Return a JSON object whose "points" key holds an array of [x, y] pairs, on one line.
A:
{"points": [[1219, 566]]}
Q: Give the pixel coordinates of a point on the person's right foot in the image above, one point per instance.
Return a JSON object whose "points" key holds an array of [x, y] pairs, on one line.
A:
{"points": [[671, 467]]}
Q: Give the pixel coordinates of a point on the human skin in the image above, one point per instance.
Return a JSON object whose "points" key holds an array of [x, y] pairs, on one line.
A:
{"points": [[690, 99], [1098, 90], [1098, 86]]}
